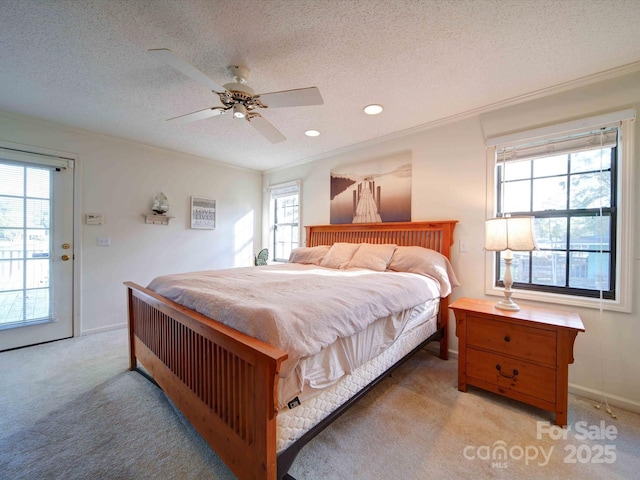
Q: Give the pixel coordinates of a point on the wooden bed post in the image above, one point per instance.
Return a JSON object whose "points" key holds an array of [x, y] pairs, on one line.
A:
{"points": [[444, 326], [133, 362]]}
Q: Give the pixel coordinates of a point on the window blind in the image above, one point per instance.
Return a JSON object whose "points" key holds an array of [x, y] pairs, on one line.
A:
{"points": [[26, 210], [284, 190], [605, 137], [577, 135], [35, 158]]}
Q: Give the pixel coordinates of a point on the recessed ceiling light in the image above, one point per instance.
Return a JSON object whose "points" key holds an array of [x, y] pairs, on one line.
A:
{"points": [[374, 109], [312, 133]]}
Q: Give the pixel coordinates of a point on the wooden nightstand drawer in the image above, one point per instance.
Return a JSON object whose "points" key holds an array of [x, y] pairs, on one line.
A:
{"points": [[524, 342], [513, 375]]}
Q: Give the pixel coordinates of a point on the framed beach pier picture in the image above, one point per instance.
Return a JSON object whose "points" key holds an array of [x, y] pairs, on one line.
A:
{"points": [[374, 191]]}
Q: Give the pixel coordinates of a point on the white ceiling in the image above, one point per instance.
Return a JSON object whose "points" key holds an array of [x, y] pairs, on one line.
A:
{"points": [[84, 63]]}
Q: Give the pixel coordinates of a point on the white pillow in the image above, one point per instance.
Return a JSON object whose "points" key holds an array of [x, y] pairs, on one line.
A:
{"points": [[425, 262], [372, 256], [339, 255], [309, 255]]}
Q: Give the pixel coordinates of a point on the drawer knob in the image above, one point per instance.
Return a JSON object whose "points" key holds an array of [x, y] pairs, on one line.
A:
{"points": [[515, 372], [507, 338]]}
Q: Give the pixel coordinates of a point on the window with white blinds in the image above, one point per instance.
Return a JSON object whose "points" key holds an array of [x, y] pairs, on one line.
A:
{"points": [[25, 225], [285, 215], [570, 181]]}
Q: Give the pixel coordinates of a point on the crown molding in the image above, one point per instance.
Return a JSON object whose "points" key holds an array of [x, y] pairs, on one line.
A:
{"points": [[544, 92]]}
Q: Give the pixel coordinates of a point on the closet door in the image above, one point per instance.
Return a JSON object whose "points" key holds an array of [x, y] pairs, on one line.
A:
{"points": [[36, 249]]}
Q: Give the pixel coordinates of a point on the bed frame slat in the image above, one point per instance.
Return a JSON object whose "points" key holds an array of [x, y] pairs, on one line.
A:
{"points": [[434, 235]]}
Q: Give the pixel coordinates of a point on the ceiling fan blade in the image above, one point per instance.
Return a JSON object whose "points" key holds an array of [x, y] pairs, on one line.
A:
{"points": [[266, 129], [292, 98], [170, 58], [199, 115]]}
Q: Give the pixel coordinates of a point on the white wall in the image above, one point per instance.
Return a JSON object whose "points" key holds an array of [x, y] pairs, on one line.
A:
{"points": [[449, 182], [119, 179]]}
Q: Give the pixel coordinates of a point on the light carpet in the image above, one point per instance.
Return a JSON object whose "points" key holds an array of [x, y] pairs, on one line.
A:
{"points": [[72, 410]]}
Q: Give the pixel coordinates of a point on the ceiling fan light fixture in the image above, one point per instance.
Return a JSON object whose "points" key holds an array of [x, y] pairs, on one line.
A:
{"points": [[238, 97], [312, 133], [373, 109], [239, 111]]}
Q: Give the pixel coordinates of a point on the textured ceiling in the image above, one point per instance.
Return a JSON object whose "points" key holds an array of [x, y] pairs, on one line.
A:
{"points": [[84, 63]]}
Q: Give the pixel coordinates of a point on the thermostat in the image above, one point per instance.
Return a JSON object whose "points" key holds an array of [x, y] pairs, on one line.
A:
{"points": [[93, 219]]}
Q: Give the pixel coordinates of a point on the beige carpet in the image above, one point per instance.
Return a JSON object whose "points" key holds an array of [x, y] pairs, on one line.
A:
{"points": [[71, 410]]}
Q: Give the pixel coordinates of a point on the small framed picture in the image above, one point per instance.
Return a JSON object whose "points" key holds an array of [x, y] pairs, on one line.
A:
{"points": [[203, 213]]}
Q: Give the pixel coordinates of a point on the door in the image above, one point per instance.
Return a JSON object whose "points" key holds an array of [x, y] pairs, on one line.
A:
{"points": [[36, 250]]}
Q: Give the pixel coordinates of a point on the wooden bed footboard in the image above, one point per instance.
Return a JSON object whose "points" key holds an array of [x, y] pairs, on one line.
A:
{"points": [[223, 381]]}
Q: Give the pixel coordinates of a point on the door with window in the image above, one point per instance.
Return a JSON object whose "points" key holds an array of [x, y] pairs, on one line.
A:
{"points": [[36, 250]]}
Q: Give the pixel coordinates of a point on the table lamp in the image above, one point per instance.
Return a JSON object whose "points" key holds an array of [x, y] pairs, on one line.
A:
{"points": [[508, 234]]}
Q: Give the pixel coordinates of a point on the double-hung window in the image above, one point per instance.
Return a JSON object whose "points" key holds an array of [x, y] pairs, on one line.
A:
{"points": [[285, 218], [570, 181]]}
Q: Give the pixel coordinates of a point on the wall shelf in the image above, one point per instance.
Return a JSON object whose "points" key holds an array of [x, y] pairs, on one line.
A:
{"points": [[156, 219]]}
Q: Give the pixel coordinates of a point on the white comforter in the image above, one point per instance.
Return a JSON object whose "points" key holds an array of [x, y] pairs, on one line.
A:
{"points": [[297, 308]]}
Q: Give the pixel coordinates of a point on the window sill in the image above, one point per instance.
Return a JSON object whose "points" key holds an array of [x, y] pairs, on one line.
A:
{"points": [[570, 300]]}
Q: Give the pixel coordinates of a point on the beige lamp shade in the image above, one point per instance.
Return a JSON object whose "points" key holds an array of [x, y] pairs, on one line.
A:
{"points": [[509, 233]]}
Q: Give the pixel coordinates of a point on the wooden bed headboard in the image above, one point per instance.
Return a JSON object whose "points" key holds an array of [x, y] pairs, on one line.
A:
{"points": [[436, 235]]}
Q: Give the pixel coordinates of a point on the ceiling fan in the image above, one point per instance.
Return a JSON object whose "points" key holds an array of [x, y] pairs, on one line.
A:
{"points": [[239, 97]]}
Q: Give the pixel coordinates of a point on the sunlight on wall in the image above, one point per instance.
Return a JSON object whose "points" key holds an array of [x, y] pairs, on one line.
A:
{"points": [[243, 241]]}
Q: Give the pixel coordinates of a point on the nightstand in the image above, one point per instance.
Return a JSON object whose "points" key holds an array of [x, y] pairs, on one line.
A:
{"points": [[524, 355]]}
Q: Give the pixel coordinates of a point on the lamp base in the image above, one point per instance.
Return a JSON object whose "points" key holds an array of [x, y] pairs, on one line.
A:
{"points": [[507, 304]]}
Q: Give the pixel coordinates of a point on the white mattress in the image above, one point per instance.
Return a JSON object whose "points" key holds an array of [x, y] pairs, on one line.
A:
{"points": [[318, 372], [293, 423]]}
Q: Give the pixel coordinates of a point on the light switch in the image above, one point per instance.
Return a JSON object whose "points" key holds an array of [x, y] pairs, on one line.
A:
{"points": [[104, 241], [463, 245]]}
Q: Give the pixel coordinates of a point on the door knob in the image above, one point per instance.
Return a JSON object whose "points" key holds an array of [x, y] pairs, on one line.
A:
{"points": [[65, 257]]}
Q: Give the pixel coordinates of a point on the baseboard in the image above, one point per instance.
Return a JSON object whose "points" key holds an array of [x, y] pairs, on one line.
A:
{"points": [[108, 328], [597, 396]]}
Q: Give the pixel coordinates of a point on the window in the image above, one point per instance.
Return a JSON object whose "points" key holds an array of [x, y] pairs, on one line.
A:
{"points": [[25, 206], [285, 214], [571, 184]]}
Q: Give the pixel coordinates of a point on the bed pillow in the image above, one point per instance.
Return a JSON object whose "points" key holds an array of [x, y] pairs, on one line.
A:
{"points": [[309, 255], [425, 262], [372, 256], [339, 255]]}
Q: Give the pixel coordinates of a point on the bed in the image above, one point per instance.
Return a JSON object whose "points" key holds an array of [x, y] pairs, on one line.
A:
{"points": [[227, 383]]}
